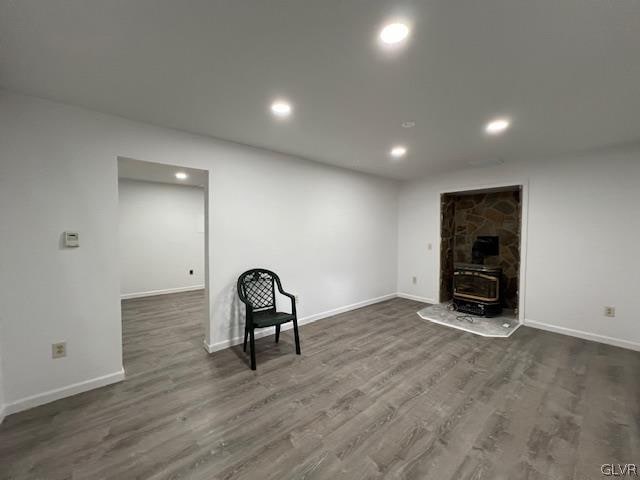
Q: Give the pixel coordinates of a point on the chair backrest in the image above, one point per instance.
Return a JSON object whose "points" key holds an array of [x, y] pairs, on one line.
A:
{"points": [[257, 288]]}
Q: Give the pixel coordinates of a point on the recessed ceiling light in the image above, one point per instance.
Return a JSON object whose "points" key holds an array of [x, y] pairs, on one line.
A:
{"points": [[398, 151], [497, 126], [394, 33], [181, 176], [281, 108], [408, 124]]}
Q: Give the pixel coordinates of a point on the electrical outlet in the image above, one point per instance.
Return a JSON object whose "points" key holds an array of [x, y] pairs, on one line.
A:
{"points": [[59, 350], [71, 239], [609, 311], [414, 280]]}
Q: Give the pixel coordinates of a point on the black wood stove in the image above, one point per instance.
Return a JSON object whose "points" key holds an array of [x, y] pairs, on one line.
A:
{"points": [[476, 289]]}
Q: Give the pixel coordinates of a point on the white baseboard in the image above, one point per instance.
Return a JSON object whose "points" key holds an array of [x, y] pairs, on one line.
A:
{"points": [[347, 308], [217, 346], [301, 321], [408, 296], [153, 293], [616, 342], [58, 393]]}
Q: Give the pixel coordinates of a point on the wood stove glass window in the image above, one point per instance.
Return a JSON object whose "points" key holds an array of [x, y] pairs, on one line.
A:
{"points": [[476, 286]]}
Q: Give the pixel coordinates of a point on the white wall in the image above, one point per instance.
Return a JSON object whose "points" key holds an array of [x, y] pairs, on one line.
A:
{"points": [[582, 246], [161, 237], [330, 233], [1, 381]]}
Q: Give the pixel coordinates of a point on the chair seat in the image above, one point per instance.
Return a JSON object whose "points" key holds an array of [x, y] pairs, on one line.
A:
{"points": [[270, 319]]}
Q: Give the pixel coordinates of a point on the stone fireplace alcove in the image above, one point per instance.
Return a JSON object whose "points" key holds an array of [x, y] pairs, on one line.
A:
{"points": [[467, 215]]}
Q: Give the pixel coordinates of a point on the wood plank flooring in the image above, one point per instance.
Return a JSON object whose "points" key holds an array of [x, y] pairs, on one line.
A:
{"points": [[377, 393]]}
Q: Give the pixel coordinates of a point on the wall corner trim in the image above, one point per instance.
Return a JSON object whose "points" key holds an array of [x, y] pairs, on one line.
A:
{"points": [[217, 346], [594, 337], [67, 391]]}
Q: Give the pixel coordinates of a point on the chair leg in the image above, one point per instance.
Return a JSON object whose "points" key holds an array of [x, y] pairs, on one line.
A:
{"points": [[246, 333], [252, 346], [297, 337], [277, 333]]}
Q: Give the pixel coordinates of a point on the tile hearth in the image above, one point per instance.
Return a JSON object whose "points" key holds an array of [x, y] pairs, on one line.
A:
{"points": [[502, 326]]}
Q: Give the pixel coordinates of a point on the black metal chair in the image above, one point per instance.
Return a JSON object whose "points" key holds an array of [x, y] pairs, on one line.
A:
{"points": [[256, 289]]}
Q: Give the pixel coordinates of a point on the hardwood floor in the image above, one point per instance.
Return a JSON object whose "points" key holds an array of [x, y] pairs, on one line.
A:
{"points": [[377, 393], [158, 331]]}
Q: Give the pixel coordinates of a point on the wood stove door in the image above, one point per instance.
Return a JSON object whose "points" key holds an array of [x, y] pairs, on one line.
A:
{"points": [[476, 286]]}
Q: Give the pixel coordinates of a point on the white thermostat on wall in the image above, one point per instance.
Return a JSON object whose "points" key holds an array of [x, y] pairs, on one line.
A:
{"points": [[71, 239]]}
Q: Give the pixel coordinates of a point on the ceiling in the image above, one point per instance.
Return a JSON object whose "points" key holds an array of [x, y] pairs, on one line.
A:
{"points": [[566, 71], [159, 173]]}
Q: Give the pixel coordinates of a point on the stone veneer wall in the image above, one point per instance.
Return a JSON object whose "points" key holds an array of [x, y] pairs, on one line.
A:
{"points": [[464, 218], [447, 213]]}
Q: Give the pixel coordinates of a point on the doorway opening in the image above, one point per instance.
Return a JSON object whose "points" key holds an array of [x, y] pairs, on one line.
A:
{"points": [[162, 234]]}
